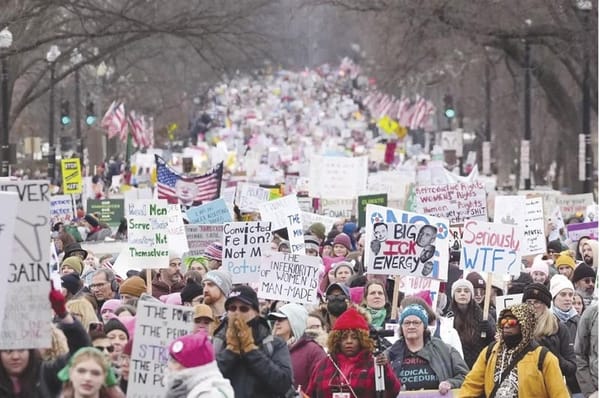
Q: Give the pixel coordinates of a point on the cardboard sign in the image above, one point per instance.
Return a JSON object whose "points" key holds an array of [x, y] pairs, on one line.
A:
{"points": [[337, 208], [27, 315], [249, 196], [394, 183], [309, 219], [571, 204], [176, 230], [503, 302], [290, 277], [490, 247], [200, 236], [71, 176], [147, 230], [410, 285], [285, 213], [579, 230], [337, 177], [456, 202], [215, 212], [9, 203], [405, 248], [156, 326], [61, 209], [363, 201], [109, 211], [534, 237], [243, 245]]}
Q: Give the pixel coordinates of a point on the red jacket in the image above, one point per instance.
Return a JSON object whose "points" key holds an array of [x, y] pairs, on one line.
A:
{"points": [[361, 378], [305, 354]]}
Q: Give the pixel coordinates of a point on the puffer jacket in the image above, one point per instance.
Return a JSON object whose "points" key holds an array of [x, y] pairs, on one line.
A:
{"points": [[305, 354], [445, 361], [204, 381], [560, 345], [262, 373], [586, 350]]}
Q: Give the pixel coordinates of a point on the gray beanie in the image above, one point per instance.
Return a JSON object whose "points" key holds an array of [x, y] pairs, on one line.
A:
{"points": [[463, 283], [296, 316], [220, 278]]}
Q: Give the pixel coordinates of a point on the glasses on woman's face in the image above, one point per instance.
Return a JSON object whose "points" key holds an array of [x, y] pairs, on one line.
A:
{"points": [[243, 308], [107, 348], [508, 322], [411, 323]]}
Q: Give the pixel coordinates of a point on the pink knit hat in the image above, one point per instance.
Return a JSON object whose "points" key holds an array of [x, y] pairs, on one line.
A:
{"points": [[344, 240], [356, 294], [425, 295], [111, 305], [192, 350], [539, 265], [173, 298]]}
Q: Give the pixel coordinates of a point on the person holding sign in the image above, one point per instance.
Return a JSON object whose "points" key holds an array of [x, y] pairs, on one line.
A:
{"points": [[256, 363], [348, 371]]}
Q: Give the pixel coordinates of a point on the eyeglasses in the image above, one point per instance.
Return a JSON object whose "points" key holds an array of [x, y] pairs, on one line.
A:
{"points": [[97, 285], [508, 322], [243, 308], [411, 323], [108, 348]]}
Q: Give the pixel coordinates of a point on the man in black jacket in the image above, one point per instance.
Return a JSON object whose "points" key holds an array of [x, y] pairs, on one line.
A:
{"points": [[257, 364]]}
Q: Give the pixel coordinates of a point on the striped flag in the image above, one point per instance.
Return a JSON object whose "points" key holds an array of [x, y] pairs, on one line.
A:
{"points": [[191, 191]]}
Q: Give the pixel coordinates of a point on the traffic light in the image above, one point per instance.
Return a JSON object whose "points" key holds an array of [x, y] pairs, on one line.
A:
{"points": [[90, 115], [65, 118], [449, 110]]}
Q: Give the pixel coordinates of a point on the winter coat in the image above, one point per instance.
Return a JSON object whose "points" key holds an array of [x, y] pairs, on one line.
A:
{"points": [[305, 354], [325, 375], [204, 381], [532, 383], [445, 361], [560, 345], [586, 350], [444, 329], [47, 383], [161, 288], [571, 326], [472, 347], [262, 373]]}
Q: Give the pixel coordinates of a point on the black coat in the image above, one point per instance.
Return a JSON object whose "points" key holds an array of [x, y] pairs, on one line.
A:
{"points": [[560, 345]]}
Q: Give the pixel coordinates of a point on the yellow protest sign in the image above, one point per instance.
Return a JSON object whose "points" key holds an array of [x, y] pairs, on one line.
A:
{"points": [[71, 176]]}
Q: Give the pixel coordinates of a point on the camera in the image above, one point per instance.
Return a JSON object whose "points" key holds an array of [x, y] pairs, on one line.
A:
{"points": [[378, 337]]}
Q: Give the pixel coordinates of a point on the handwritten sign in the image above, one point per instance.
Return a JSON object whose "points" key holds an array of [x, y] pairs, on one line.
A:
{"points": [[412, 254], [176, 230], [147, 229], [337, 177], [337, 208], [243, 245], [394, 183], [27, 315], [571, 204], [156, 326], [9, 204], [61, 209], [579, 230], [363, 201], [456, 202], [290, 277], [109, 211], [534, 237], [506, 301], [200, 236], [410, 285], [285, 213], [490, 247], [249, 196], [215, 212], [309, 219], [71, 176]]}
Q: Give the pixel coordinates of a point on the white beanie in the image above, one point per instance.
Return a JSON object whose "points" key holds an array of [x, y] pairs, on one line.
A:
{"points": [[463, 283], [559, 282]]}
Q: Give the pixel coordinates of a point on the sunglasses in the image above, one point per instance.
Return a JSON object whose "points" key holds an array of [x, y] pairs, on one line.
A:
{"points": [[108, 348], [508, 322], [243, 308]]}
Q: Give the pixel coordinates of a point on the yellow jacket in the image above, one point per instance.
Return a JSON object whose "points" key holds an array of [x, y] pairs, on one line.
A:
{"points": [[532, 383]]}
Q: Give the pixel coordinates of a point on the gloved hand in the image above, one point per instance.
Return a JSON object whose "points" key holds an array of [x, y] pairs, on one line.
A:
{"points": [[57, 300], [233, 341], [483, 328], [245, 335]]}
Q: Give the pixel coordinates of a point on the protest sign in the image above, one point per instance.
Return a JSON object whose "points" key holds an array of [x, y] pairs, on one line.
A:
{"points": [[506, 301], [455, 237], [147, 229], [509, 209], [403, 243], [394, 183], [200, 236], [285, 213], [9, 203], [337, 208], [534, 237], [27, 315], [309, 219], [305, 203], [556, 225], [215, 212], [71, 176], [410, 285], [109, 211], [490, 247], [456, 202], [572, 204], [337, 177], [249, 196], [577, 231], [156, 326], [61, 209], [176, 230], [548, 196], [243, 245], [290, 277], [363, 201]]}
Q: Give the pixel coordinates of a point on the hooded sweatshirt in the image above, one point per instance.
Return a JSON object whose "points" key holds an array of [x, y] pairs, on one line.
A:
{"points": [[297, 316], [204, 381]]}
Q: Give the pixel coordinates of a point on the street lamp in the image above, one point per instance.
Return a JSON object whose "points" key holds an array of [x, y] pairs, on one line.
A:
{"points": [[6, 39], [585, 138], [76, 59], [51, 57], [525, 144]]}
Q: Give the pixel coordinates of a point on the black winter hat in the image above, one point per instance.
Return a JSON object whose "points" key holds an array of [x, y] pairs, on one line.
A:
{"points": [[245, 294], [115, 324], [71, 282], [583, 271], [71, 248], [539, 292], [191, 290]]}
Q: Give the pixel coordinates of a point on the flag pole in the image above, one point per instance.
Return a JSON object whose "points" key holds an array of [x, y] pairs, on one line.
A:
{"points": [[128, 148]]}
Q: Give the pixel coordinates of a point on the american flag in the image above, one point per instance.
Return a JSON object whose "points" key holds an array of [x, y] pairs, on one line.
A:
{"points": [[209, 184]]}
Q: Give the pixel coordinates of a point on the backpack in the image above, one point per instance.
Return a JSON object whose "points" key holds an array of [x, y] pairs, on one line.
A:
{"points": [[541, 358]]}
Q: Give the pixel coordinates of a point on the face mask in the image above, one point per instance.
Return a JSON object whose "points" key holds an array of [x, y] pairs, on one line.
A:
{"points": [[513, 340], [337, 307]]}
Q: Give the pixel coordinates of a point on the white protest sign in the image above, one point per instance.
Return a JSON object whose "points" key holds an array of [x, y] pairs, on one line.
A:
{"points": [[27, 314], [410, 285], [577, 231], [456, 202], [214, 212], [338, 208], [309, 219], [243, 245], [285, 213], [572, 204], [200, 236], [9, 202], [147, 228], [337, 177], [509, 209], [249, 196], [393, 183], [290, 277], [156, 326], [409, 244], [228, 195], [176, 230], [122, 263], [452, 141], [503, 302], [534, 237], [61, 209], [490, 247]]}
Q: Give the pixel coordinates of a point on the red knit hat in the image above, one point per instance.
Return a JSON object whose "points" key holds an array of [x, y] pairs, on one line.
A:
{"points": [[351, 319]]}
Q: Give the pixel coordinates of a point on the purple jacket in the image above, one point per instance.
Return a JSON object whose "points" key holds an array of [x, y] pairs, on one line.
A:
{"points": [[305, 354]]}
